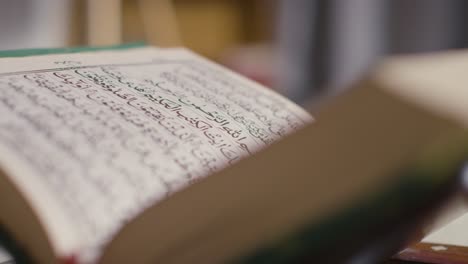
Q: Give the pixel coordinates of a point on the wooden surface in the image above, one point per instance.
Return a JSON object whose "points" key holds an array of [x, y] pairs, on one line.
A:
{"points": [[432, 253]]}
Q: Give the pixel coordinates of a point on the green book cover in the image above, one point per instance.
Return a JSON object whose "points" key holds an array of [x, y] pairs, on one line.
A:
{"points": [[33, 52]]}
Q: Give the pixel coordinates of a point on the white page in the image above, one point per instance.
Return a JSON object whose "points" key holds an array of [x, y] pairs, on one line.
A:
{"points": [[4, 256], [93, 139], [454, 233]]}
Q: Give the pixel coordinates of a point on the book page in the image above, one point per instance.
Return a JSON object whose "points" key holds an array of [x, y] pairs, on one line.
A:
{"points": [[5, 258], [451, 233], [93, 139]]}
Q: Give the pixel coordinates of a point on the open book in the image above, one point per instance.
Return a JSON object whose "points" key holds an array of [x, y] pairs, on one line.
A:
{"points": [[444, 240], [154, 155], [5, 258]]}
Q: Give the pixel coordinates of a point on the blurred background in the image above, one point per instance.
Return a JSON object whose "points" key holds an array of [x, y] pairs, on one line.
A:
{"points": [[305, 49]]}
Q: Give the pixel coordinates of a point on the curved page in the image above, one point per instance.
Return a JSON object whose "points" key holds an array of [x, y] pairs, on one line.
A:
{"points": [[93, 139]]}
